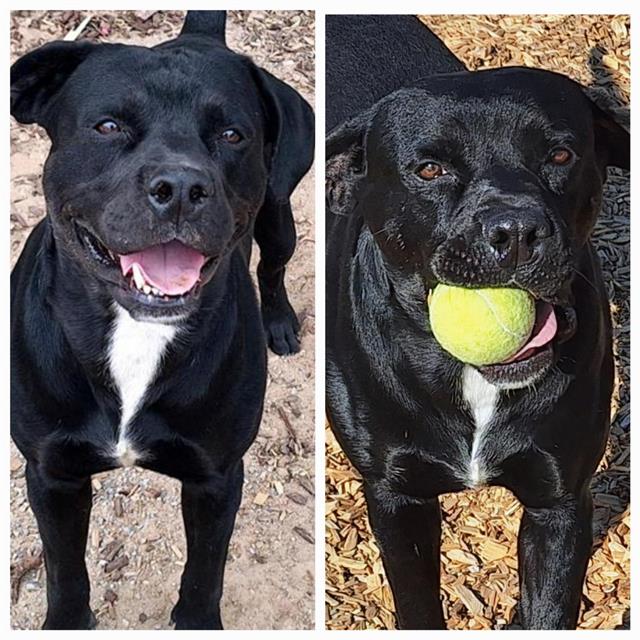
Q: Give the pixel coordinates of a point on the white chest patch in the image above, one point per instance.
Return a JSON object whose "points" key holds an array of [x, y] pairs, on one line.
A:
{"points": [[482, 398], [135, 353]]}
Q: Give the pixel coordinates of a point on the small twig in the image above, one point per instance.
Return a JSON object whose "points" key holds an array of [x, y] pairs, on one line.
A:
{"points": [[118, 563], [74, 33], [304, 534], [20, 570], [287, 423]]}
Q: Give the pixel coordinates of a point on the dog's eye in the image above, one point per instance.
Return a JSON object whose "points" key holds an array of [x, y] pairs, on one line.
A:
{"points": [[560, 156], [431, 170], [231, 136], [107, 127]]}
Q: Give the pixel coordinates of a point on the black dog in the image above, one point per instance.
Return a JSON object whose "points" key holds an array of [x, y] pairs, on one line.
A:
{"points": [[472, 179], [136, 333]]}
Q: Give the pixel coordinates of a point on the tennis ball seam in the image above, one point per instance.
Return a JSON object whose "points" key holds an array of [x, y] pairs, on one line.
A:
{"points": [[474, 331], [499, 321]]}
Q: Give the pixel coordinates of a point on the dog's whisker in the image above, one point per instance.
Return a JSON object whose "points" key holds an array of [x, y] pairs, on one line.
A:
{"points": [[589, 282]]}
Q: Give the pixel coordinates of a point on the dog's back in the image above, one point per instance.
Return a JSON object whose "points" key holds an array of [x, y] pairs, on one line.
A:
{"points": [[369, 57]]}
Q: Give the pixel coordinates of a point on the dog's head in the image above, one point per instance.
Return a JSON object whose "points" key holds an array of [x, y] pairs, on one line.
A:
{"points": [[479, 179], [161, 157]]}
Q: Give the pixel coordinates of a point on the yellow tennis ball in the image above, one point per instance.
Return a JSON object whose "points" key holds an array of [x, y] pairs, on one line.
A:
{"points": [[481, 326]]}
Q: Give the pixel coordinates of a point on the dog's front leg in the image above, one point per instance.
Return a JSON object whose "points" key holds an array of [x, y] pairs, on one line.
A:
{"points": [[62, 509], [409, 541], [275, 234], [554, 545], [209, 511]]}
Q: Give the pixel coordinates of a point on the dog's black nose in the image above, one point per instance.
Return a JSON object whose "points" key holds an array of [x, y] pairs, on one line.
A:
{"points": [[179, 192], [515, 237]]}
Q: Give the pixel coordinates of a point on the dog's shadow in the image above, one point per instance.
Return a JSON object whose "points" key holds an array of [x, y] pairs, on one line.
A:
{"points": [[610, 486]]}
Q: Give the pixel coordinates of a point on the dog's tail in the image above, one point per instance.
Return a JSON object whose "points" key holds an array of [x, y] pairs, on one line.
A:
{"points": [[206, 23]]}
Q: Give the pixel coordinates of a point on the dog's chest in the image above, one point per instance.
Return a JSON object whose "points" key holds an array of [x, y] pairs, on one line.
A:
{"points": [[481, 399], [134, 357]]}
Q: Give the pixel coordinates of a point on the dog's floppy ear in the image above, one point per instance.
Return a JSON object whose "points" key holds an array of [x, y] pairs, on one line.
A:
{"points": [[291, 134], [205, 23], [612, 140], [38, 76], [346, 163]]}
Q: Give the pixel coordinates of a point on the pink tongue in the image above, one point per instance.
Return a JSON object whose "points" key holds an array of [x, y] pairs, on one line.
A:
{"points": [[543, 332], [172, 268]]}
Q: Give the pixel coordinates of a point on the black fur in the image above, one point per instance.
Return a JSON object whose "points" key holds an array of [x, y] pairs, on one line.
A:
{"points": [[201, 414], [394, 397]]}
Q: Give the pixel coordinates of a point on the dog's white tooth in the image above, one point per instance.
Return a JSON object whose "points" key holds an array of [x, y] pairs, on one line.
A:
{"points": [[138, 278], [146, 288]]}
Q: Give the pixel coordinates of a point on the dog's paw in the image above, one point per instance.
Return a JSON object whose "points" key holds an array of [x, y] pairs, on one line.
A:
{"points": [[85, 622], [282, 338], [282, 329], [184, 620]]}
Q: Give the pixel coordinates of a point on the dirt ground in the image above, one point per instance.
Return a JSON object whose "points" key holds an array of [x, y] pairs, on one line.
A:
{"points": [[479, 538], [136, 547]]}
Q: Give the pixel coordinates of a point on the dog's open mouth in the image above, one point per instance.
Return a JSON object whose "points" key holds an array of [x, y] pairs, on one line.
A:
{"points": [[544, 331], [552, 325], [170, 269], [159, 274]]}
